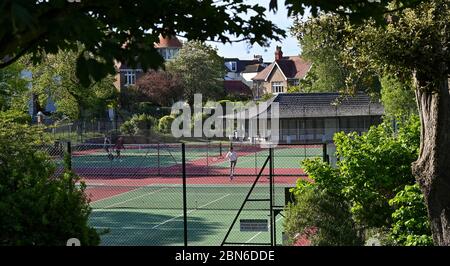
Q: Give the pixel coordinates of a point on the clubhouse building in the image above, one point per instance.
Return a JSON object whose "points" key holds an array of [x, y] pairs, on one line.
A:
{"points": [[315, 117]]}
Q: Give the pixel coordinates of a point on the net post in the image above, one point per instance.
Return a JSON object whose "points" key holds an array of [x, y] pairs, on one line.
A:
{"points": [[183, 156], [220, 148]]}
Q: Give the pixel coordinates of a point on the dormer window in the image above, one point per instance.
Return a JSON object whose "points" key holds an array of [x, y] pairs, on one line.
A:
{"points": [[233, 66]]}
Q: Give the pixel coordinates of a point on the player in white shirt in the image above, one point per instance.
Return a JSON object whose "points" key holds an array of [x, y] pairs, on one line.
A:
{"points": [[232, 156]]}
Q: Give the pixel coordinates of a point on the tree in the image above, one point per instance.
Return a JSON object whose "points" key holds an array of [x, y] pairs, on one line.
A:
{"points": [[159, 87], [54, 78], [12, 87], [201, 70], [410, 38], [321, 41], [103, 27], [38, 206], [398, 98]]}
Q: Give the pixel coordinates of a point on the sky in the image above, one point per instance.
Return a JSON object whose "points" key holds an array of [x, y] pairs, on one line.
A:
{"points": [[289, 45]]}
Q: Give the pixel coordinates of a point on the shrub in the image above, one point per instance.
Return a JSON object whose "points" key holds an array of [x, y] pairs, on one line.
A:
{"points": [[15, 116], [319, 218], [139, 125], [150, 109], [266, 96], [410, 226], [165, 124], [373, 176], [37, 207]]}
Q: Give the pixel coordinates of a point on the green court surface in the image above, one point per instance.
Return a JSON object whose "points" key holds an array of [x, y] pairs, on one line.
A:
{"points": [[153, 215], [151, 157], [283, 157], [135, 158]]}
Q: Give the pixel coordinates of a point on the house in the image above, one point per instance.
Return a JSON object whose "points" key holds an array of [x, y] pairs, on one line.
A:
{"points": [[285, 71], [244, 70], [315, 117], [126, 76]]}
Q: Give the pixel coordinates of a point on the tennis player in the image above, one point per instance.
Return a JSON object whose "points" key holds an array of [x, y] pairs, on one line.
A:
{"points": [[232, 156], [119, 147]]}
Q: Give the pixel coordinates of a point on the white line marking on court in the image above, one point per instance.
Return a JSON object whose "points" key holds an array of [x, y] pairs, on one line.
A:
{"points": [[169, 220], [133, 198], [257, 234]]}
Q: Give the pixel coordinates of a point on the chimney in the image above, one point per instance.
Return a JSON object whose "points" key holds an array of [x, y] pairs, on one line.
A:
{"points": [[278, 53]]}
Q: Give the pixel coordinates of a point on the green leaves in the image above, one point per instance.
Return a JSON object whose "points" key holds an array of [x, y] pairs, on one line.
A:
{"points": [[103, 27], [200, 69], [37, 206], [410, 221], [55, 79], [371, 170]]}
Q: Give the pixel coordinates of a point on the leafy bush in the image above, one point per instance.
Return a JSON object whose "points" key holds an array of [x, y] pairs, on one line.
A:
{"points": [[372, 171], [374, 167], [320, 219], [38, 207], [150, 109], [411, 226], [139, 125], [266, 96], [165, 124], [15, 116]]}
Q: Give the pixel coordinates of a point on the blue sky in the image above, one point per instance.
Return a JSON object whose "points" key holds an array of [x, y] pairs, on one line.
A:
{"points": [[289, 44]]}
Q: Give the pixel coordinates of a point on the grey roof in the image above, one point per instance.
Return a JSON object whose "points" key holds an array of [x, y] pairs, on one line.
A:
{"points": [[298, 105], [326, 105]]}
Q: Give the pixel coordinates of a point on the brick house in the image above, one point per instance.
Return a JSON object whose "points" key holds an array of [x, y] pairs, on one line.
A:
{"points": [[126, 76], [285, 71]]}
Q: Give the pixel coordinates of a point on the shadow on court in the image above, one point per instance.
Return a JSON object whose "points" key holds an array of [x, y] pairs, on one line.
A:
{"points": [[149, 228]]}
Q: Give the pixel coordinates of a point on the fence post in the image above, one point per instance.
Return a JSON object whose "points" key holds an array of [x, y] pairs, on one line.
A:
{"points": [[220, 149], [325, 155], [69, 154], [207, 158], [183, 157], [272, 218], [159, 163]]}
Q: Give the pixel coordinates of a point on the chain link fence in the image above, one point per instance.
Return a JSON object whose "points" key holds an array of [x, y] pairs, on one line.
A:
{"points": [[178, 194]]}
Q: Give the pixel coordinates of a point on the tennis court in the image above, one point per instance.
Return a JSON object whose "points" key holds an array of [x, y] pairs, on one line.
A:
{"points": [[152, 215], [138, 196], [206, 159]]}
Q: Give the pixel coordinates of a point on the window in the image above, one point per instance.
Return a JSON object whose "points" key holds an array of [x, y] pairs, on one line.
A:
{"points": [[295, 82], [233, 66], [130, 77], [277, 87]]}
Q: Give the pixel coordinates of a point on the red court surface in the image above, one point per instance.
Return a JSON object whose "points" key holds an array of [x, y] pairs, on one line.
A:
{"points": [[99, 188]]}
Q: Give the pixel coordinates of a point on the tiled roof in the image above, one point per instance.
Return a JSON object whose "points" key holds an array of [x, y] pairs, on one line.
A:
{"points": [[165, 42], [241, 65], [293, 67], [297, 105], [237, 87], [326, 104], [253, 68]]}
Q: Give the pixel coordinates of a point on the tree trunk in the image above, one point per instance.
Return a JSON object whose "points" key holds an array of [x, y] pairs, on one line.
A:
{"points": [[432, 169]]}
